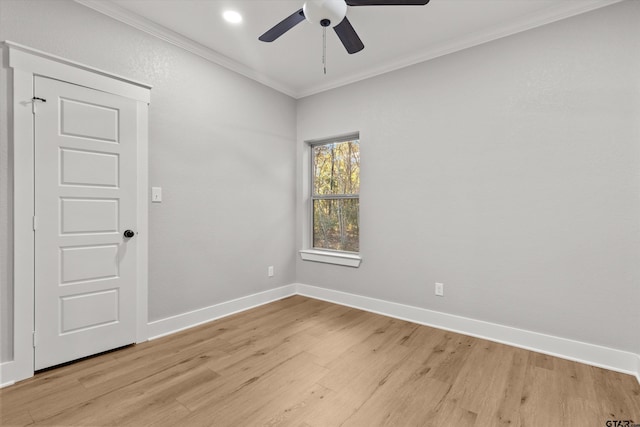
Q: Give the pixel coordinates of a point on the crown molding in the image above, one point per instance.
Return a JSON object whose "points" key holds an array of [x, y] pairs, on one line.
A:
{"points": [[143, 24], [563, 10]]}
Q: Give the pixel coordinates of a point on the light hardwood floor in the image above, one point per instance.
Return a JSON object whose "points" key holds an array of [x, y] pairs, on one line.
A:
{"points": [[304, 362]]}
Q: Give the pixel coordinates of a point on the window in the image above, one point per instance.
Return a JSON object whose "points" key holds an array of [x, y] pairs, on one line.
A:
{"points": [[335, 188]]}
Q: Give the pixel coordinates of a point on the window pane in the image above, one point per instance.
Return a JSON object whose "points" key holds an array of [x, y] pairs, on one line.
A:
{"points": [[336, 168], [335, 224]]}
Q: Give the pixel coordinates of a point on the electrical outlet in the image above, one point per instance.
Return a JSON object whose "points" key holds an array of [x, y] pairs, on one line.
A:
{"points": [[270, 271], [440, 289]]}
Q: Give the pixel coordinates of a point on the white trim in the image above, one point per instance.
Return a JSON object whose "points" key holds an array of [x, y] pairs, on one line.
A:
{"points": [[327, 257], [143, 223], [305, 181], [180, 322], [561, 11], [25, 64], [21, 366], [308, 253], [125, 16], [7, 384], [590, 354], [39, 62]]}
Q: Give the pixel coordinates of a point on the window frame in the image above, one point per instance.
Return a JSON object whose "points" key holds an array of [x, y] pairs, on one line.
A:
{"points": [[318, 254]]}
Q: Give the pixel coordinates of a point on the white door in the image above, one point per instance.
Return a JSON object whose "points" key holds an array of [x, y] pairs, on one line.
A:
{"points": [[85, 200]]}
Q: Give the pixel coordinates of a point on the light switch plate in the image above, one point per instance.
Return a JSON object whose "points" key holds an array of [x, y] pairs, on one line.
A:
{"points": [[156, 194]]}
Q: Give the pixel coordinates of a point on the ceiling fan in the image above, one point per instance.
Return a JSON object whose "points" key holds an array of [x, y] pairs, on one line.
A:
{"points": [[332, 13]]}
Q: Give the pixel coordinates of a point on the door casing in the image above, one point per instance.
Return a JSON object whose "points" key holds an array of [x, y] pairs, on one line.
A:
{"points": [[25, 64]]}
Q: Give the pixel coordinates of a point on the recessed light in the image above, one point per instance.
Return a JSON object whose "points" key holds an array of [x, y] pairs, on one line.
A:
{"points": [[232, 16]]}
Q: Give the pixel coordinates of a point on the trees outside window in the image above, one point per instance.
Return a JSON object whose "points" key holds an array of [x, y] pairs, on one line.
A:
{"points": [[335, 195]]}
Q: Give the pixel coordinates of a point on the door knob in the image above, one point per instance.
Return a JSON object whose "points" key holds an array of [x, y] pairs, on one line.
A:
{"points": [[129, 234]]}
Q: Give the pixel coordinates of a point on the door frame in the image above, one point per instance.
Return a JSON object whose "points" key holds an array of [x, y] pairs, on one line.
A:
{"points": [[26, 63]]}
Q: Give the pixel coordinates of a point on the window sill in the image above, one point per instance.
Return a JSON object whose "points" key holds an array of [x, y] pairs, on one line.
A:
{"points": [[328, 257]]}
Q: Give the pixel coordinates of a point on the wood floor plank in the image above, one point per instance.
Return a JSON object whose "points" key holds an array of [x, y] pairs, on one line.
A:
{"points": [[331, 347], [509, 398], [143, 401], [618, 395], [299, 409], [415, 394], [46, 384], [304, 362], [450, 413], [276, 386], [495, 359], [117, 378], [247, 367]]}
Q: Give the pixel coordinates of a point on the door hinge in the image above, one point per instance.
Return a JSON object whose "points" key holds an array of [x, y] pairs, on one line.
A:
{"points": [[34, 339], [33, 103], [35, 222]]}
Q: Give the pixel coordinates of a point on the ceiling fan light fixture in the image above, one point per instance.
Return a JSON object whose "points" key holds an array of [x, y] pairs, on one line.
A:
{"points": [[332, 13], [325, 12]]}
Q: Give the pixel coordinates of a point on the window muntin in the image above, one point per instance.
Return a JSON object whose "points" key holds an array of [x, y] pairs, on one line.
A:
{"points": [[335, 195]]}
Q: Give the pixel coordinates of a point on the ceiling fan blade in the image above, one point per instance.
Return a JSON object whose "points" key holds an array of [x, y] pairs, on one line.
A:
{"points": [[387, 2], [348, 36], [283, 26]]}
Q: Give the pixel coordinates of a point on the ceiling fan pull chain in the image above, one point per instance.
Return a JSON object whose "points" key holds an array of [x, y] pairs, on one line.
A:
{"points": [[324, 49]]}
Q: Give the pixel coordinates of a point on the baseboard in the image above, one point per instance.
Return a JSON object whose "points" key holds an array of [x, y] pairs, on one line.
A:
{"points": [[170, 325], [7, 377], [591, 354], [7, 384], [603, 357], [13, 371]]}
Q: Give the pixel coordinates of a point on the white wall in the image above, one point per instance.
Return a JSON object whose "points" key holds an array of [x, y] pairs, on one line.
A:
{"points": [[221, 146], [510, 172]]}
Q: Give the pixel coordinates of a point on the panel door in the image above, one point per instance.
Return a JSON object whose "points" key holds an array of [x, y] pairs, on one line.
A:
{"points": [[85, 198]]}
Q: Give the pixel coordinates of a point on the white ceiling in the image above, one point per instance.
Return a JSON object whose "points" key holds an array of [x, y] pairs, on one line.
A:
{"points": [[394, 36]]}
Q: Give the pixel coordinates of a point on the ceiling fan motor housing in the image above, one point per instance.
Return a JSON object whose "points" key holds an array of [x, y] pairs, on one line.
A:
{"points": [[325, 12]]}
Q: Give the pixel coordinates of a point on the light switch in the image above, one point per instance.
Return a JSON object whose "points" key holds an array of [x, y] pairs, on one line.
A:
{"points": [[156, 194]]}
